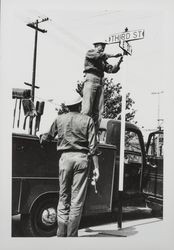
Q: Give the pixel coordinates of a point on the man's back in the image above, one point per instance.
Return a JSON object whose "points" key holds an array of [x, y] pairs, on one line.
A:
{"points": [[75, 132]]}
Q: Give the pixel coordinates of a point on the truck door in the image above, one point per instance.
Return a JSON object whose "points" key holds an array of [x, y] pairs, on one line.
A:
{"points": [[153, 172], [101, 201], [133, 163]]}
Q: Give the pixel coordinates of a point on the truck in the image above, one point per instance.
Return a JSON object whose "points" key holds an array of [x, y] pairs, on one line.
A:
{"points": [[35, 183]]}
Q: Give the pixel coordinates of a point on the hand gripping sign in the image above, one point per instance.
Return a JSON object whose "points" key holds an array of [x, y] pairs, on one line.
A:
{"points": [[126, 47]]}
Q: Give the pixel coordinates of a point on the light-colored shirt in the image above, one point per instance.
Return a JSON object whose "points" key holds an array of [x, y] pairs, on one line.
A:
{"points": [[75, 132]]}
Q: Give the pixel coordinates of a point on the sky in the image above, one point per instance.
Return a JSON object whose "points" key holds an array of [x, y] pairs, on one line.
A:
{"points": [[61, 52], [72, 28]]}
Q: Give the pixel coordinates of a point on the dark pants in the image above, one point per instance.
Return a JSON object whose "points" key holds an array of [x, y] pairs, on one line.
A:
{"points": [[73, 180]]}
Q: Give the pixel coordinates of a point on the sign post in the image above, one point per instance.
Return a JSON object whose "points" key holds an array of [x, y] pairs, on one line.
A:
{"points": [[123, 40], [122, 145]]}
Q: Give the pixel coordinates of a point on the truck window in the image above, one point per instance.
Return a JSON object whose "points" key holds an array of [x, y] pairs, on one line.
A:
{"points": [[132, 148], [156, 145]]}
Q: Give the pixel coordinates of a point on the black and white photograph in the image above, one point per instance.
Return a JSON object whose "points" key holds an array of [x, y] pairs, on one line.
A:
{"points": [[86, 131]]}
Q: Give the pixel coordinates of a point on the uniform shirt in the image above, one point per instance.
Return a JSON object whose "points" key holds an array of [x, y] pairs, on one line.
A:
{"points": [[76, 132], [95, 63]]}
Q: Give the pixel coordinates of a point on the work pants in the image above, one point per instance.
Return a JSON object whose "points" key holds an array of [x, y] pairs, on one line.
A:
{"points": [[73, 180], [93, 98]]}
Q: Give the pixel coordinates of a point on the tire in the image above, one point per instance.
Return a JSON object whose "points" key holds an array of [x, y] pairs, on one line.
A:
{"points": [[42, 220]]}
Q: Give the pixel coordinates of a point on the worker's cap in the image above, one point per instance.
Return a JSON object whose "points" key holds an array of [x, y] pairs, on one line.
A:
{"points": [[75, 99], [100, 42]]}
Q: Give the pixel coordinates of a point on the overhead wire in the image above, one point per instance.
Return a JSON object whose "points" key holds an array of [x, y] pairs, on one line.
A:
{"points": [[59, 33]]}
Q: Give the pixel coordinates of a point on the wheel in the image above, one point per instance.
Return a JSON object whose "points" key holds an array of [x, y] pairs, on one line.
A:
{"points": [[42, 220]]}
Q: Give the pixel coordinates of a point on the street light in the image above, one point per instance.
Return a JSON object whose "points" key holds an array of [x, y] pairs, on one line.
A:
{"points": [[158, 93]]}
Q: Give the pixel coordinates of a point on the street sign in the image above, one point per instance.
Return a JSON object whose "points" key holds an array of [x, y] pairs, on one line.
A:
{"points": [[126, 36], [124, 45]]}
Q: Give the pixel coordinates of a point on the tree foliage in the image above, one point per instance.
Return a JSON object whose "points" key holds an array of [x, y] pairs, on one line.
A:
{"points": [[112, 100]]}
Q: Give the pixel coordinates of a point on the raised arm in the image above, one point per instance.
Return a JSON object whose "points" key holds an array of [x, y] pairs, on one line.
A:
{"points": [[51, 134], [113, 68]]}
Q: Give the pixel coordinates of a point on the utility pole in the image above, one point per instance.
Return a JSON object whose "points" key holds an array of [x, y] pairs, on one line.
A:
{"points": [[34, 25], [158, 118]]}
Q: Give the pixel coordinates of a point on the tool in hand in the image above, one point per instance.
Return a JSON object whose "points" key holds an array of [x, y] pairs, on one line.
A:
{"points": [[93, 183]]}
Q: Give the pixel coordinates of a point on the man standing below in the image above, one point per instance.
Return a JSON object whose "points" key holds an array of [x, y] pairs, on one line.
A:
{"points": [[76, 141], [94, 67]]}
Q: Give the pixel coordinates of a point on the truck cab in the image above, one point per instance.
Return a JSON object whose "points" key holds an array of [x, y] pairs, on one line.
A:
{"points": [[35, 184]]}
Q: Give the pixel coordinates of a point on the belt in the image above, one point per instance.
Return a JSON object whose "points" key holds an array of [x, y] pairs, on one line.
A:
{"points": [[94, 73], [75, 151]]}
